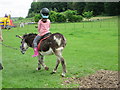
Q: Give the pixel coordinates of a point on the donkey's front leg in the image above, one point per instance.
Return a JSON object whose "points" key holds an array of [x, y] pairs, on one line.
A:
{"points": [[39, 63], [42, 62]]}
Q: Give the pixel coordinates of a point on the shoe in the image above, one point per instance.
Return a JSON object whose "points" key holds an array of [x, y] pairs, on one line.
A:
{"points": [[36, 53]]}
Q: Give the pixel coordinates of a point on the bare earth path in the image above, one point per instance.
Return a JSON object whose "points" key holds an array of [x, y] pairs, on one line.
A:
{"points": [[101, 79]]}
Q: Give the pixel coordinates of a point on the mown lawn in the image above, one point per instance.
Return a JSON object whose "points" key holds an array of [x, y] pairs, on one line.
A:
{"points": [[91, 46]]}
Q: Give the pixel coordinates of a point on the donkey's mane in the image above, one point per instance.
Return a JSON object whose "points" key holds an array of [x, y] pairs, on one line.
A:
{"points": [[29, 38], [29, 35]]}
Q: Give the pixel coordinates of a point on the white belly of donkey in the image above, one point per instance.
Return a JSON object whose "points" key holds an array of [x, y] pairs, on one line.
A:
{"points": [[49, 52]]}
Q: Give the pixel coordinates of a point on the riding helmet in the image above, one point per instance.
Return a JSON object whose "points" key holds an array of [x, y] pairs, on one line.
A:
{"points": [[44, 12]]}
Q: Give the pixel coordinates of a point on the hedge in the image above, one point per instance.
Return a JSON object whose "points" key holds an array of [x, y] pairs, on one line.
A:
{"points": [[67, 16]]}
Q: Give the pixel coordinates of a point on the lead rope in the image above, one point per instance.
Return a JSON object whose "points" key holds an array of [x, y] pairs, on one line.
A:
{"points": [[12, 47], [9, 46]]}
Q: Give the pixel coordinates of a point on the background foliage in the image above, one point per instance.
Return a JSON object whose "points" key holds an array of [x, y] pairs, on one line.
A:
{"points": [[66, 16], [98, 8]]}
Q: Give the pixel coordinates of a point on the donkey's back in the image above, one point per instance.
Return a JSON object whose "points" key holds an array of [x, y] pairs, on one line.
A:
{"points": [[53, 43]]}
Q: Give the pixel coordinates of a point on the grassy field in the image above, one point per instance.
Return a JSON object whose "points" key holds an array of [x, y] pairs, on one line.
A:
{"points": [[91, 46]]}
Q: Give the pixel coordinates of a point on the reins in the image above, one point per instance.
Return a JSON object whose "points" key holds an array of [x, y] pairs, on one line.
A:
{"points": [[9, 46]]}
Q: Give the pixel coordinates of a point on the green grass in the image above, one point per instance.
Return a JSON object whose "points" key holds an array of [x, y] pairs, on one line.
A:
{"points": [[91, 46], [0, 71]]}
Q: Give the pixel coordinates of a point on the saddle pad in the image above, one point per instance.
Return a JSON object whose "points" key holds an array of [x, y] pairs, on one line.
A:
{"points": [[44, 37]]}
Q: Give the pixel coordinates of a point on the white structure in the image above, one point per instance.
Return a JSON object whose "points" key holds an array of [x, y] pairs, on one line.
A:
{"points": [[21, 25]]}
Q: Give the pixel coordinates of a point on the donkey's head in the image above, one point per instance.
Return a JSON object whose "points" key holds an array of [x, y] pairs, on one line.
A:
{"points": [[26, 41], [24, 46]]}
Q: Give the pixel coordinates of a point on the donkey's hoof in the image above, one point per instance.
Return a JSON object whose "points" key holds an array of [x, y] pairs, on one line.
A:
{"points": [[46, 68], [38, 69], [63, 75], [52, 72]]}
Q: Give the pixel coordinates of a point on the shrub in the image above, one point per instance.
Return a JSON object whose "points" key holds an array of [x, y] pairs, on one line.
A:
{"points": [[88, 14], [77, 18], [60, 17], [69, 14], [53, 16], [37, 17]]}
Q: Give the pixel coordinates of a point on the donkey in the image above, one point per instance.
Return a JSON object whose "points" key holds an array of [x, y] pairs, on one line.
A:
{"points": [[53, 44]]}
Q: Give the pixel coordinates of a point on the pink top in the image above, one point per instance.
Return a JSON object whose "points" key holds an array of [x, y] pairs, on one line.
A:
{"points": [[43, 28]]}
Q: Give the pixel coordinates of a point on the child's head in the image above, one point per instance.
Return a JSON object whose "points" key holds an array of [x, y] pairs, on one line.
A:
{"points": [[44, 13]]}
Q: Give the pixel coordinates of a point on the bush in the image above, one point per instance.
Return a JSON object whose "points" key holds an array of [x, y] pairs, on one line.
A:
{"points": [[60, 17], [69, 15], [37, 17], [76, 18], [53, 16], [57, 17], [88, 14]]}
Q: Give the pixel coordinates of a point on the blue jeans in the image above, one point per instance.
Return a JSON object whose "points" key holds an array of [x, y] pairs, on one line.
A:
{"points": [[35, 41]]}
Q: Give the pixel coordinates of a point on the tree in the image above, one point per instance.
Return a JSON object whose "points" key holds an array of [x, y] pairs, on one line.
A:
{"points": [[69, 5], [79, 6], [96, 7], [112, 8], [88, 14], [34, 9], [32, 14]]}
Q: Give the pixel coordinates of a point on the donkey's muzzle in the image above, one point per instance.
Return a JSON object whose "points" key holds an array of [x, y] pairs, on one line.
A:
{"points": [[22, 50]]}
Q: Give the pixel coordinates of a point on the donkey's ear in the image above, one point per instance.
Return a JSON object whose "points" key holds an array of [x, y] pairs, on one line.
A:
{"points": [[19, 36]]}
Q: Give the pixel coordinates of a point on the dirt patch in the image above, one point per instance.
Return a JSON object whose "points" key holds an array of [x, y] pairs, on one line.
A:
{"points": [[101, 17], [101, 79]]}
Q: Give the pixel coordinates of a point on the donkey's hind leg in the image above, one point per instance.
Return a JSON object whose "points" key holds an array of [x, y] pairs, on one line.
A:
{"points": [[57, 64], [40, 59]]}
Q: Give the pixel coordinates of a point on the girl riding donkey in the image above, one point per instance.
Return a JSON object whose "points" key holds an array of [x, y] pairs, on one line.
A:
{"points": [[52, 45], [43, 28]]}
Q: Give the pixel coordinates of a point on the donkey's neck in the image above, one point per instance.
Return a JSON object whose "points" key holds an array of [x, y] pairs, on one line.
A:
{"points": [[29, 40]]}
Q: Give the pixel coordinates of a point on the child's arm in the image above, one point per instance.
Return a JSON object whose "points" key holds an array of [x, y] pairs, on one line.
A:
{"points": [[49, 24], [39, 26]]}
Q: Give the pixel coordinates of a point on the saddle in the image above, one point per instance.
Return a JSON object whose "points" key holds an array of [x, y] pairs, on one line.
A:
{"points": [[44, 37]]}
